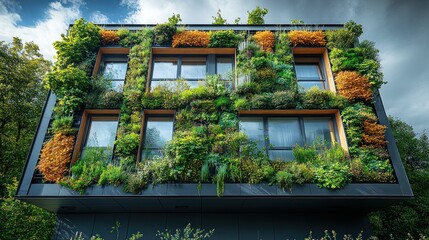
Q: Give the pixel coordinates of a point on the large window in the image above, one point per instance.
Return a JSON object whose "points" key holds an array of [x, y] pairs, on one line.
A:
{"points": [[310, 72], [114, 68], [157, 132], [192, 69], [100, 133], [279, 135]]}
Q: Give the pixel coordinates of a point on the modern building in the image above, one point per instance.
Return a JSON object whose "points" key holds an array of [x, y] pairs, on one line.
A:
{"points": [[279, 88]]}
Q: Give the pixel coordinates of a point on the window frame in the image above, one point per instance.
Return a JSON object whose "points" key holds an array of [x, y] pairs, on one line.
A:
{"points": [[111, 51], [324, 64], [312, 60], [211, 55], [82, 136], [152, 113], [334, 114]]}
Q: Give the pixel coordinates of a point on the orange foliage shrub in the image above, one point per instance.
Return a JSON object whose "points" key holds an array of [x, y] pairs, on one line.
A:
{"points": [[265, 39], [353, 86], [307, 38], [109, 37], [373, 134], [55, 157], [191, 39]]}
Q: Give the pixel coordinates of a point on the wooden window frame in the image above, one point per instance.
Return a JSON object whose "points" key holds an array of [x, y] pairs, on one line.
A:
{"points": [[152, 113], [83, 129], [334, 113], [322, 54], [207, 52]]}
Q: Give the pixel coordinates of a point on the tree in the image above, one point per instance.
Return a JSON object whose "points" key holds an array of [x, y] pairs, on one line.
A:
{"points": [[21, 100], [257, 15], [218, 19], [409, 216]]}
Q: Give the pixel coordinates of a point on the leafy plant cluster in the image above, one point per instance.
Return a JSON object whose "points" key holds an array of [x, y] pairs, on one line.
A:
{"points": [[307, 38]]}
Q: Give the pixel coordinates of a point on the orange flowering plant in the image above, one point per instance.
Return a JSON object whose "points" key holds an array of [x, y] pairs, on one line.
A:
{"points": [[265, 39], [353, 86], [307, 38], [55, 157], [191, 39], [109, 37], [373, 135]]}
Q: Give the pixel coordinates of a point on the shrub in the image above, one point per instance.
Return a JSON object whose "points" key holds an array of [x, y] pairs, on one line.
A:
{"points": [[191, 39], [284, 99], [284, 179], [63, 125], [256, 16], [302, 173], [316, 98], [55, 157], [127, 144], [262, 101], [282, 48], [227, 39], [332, 175], [109, 37], [241, 104], [307, 38], [265, 39], [305, 154], [265, 79], [353, 86], [373, 134], [344, 38], [164, 33], [112, 175]]}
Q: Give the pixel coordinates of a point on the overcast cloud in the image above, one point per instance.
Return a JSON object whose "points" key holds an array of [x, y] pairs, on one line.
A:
{"points": [[400, 30]]}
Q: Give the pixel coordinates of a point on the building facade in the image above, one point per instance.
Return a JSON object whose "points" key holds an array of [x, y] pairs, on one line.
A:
{"points": [[255, 131]]}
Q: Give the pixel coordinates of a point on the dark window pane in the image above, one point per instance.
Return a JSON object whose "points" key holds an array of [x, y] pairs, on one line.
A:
{"points": [[224, 67], [284, 155], [165, 68], [284, 132], [319, 129], [158, 132], [194, 67], [308, 72], [253, 127]]}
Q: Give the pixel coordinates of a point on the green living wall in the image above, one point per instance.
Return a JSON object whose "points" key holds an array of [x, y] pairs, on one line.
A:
{"points": [[207, 146]]}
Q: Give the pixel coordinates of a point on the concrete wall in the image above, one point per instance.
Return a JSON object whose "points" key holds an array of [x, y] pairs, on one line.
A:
{"points": [[228, 226]]}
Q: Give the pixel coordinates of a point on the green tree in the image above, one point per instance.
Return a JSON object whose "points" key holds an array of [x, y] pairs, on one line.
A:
{"points": [[409, 216], [257, 15], [218, 19], [21, 100]]}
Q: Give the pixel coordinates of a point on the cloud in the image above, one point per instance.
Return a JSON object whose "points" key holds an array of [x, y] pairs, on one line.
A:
{"points": [[99, 18], [58, 16]]}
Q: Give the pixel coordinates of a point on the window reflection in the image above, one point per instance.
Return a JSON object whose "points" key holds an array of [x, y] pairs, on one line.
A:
{"points": [[193, 68], [224, 67], [318, 129], [309, 75], [165, 68], [101, 134], [158, 131], [254, 129], [284, 132]]}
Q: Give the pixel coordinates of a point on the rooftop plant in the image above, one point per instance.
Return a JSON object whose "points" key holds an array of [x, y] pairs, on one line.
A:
{"points": [[265, 39], [109, 37], [226, 38], [307, 38], [256, 16], [191, 39]]}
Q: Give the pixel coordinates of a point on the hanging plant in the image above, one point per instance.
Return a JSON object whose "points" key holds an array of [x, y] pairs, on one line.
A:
{"points": [[307, 38]]}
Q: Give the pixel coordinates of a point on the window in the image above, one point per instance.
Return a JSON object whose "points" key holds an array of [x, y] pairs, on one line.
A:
{"points": [[114, 68], [158, 131], [192, 68], [279, 135], [310, 71], [100, 133]]}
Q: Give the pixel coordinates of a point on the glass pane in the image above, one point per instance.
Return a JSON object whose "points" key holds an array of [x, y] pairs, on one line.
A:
{"points": [[167, 83], [284, 132], [194, 67], [308, 71], [309, 84], [253, 127], [158, 132], [102, 133], [223, 67], [115, 70], [150, 154], [165, 68], [320, 129], [118, 85], [285, 155]]}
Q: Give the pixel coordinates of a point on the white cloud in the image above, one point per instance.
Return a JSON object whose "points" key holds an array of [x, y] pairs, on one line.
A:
{"points": [[44, 32], [99, 18]]}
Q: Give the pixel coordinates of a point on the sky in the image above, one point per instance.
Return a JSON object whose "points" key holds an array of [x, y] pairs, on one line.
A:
{"points": [[399, 28]]}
